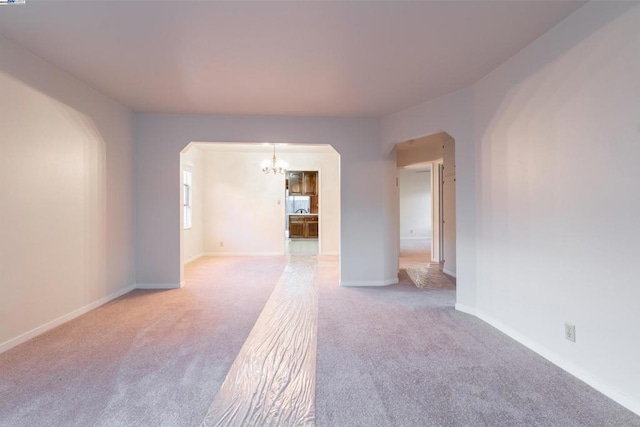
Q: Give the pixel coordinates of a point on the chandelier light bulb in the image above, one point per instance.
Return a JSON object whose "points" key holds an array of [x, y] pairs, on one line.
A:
{"points": [[274, 165]]}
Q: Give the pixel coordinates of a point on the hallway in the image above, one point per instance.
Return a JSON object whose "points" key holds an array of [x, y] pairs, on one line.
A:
{"points": [[395, 355], [415, 262]]}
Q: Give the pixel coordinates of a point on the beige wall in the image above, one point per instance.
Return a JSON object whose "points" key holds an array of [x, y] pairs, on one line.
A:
{"points": [[415, 204], [244, 210]]}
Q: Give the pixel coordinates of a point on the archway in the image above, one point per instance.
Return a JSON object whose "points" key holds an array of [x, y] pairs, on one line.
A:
{"points": [[426, 180], [238, 210]]}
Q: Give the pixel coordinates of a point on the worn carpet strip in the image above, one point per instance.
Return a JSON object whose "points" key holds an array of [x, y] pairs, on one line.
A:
{"points": [[273, 379]]}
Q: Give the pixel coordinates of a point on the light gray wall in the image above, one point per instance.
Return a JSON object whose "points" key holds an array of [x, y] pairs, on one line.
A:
{"points": [[547, 199], [368, 233], [453, 114], [559, 141], [66, 197]]}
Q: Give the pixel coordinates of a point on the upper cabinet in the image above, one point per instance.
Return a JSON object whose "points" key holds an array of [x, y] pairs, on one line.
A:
{"points": [[294, 181], [309, 183], [302, 183]]}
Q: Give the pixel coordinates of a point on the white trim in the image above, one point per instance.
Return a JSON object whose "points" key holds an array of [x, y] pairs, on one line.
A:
{"points": [[329, 253], [416, 238], [193, 258], [243, 254], [466, 309], [62, 319], [449, 272], [623, 399], [159, 285], [369, 283]]}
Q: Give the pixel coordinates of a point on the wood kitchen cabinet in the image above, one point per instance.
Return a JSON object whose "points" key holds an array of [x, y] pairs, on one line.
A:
{"points": [[302, 183], [303, 226], [294, 181], [309, 181], [312, 228], [296, 227]]}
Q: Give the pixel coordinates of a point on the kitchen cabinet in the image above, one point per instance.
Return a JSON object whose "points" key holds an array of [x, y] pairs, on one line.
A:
{"points": [[309, 181], [303, 226], [296, 227], [294, 181], [312, 228], [302, 183]]}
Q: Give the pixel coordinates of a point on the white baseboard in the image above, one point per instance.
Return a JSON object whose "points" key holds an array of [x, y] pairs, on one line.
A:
{"points": [[62, 319], [466, 309], [159, 285], [369, 283], [449, 272], [243, 253], [193, 258], [623, 399]]}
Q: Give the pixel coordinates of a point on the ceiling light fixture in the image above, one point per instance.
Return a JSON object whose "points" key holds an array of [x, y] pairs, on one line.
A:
{"points": [[274, 165]]}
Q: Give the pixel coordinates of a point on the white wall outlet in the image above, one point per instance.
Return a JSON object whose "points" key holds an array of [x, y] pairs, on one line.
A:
{"points": [[222, 244], [570, 331]]}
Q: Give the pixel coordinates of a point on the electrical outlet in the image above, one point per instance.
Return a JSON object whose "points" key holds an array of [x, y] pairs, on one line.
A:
{"points": [[570, 331], [222, 244]]}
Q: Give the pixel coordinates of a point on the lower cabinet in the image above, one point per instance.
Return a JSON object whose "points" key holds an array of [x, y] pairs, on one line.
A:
{"points": [[303, 226], [312, 227], [296, 228]]}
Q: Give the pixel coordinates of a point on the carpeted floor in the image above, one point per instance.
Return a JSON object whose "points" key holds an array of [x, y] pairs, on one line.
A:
{"points": [[393, 356], [149, 358], [403, 356]]}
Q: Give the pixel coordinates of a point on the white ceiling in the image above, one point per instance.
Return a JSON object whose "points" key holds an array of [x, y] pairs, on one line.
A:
{"points": [[278, 58]]}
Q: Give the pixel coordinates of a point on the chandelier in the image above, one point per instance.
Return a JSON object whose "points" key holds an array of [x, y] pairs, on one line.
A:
{"points": [[274, 165]]}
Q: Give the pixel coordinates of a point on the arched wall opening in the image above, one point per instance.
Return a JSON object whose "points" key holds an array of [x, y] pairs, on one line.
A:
{"points": [[426, 180], [368, 252], [229, 206]]}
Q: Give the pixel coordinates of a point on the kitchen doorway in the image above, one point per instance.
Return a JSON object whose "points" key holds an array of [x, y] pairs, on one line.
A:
{"points": [[302, 213]]}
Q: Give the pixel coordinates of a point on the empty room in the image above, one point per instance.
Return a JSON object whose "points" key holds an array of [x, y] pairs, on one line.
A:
{"points": [[331, 213]]}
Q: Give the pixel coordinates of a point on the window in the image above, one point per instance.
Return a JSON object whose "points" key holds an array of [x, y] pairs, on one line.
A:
{"points": [[187, 199]]}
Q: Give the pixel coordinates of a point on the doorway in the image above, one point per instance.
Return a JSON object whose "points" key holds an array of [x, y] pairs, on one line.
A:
{"points": [[302, 212], [433, 155], [238, 210]]}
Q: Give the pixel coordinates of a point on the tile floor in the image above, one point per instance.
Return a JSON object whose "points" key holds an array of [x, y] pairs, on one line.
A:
{"points": [[301, 247]]}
